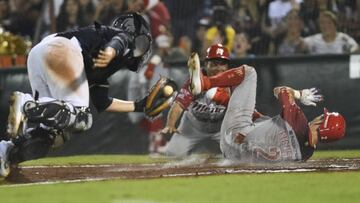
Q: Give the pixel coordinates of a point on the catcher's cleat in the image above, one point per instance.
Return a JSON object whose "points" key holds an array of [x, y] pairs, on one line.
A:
{"points": [[16, 116], [4, 168], [195, 74], [5, 147]]}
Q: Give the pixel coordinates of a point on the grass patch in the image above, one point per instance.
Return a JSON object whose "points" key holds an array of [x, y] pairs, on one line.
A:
{"points": [[269, 188], [326, 154], [96, 159], [146, 159]]}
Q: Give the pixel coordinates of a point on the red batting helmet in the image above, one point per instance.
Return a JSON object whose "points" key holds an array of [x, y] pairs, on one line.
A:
{"points": [[217, 51], [333, 127]]}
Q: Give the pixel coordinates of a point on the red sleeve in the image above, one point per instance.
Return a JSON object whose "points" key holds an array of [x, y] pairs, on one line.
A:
{"points": [[293, 114], [296, 118], [184, 98]]}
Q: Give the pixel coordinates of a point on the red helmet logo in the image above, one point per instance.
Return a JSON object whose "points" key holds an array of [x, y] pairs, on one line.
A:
{"points": [[217, 51], [333, 127]]}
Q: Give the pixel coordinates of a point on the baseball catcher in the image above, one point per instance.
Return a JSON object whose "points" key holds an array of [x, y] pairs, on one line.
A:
{"points": [[285, 137], [68, 69]]}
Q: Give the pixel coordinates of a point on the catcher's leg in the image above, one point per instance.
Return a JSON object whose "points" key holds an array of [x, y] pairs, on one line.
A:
{"points": [[35, 143], [58, 115], [56, 72], [48, 112], [5, 147]]}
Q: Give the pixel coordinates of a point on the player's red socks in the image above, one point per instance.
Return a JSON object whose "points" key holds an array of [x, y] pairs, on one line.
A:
{"points": [[228, 78]]}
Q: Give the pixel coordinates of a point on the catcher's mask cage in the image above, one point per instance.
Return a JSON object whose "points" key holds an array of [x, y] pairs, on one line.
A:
{"points": [[134, 24]]}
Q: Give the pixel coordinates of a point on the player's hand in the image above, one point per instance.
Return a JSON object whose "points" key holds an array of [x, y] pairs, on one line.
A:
{"points": [[104, 57], [310, 97], [169, 131]]}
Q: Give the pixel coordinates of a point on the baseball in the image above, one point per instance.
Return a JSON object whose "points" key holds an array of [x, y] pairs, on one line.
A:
{"points": [[168, 90]]}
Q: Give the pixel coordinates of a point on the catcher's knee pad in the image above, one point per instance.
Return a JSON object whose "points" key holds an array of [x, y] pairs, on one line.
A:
{"points": [[83, 119], [57, 114]]}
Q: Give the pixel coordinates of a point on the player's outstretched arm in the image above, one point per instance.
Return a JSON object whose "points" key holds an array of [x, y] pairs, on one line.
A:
{"points": [[119, 105], [173, 116], [291, 91], [308, 97]]}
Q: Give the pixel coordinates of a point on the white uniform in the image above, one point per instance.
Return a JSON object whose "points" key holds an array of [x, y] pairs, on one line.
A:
{"points": [[266, 139], [65, 80]]}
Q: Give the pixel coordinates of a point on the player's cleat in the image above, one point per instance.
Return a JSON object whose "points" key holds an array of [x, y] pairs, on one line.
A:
{"points": [[5, 147], [195, 74], [16, 116]]}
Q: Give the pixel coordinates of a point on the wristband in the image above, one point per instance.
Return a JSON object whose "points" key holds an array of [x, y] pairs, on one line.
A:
{"points": [[297, 94], [139, 105]]}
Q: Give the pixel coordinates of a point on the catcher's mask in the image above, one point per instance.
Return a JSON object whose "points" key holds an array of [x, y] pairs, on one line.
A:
{"points": [[158, 101], [134, 24]]}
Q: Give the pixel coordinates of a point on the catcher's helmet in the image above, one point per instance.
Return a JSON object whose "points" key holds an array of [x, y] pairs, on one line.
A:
{"points": [[333, 127], [217, 51], [134, 24]]}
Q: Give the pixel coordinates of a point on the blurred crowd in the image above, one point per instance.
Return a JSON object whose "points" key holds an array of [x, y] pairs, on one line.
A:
{"points": [[247, 28]]}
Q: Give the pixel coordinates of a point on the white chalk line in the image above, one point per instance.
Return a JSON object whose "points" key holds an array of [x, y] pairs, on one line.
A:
{"points": [[57, 182], [331, 167]]}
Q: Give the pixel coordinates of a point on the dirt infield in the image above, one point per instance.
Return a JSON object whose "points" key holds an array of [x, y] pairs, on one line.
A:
{"points": [[78, 173]]}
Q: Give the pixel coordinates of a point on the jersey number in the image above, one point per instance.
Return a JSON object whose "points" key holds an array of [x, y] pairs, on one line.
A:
{"points": [[272, 155]]}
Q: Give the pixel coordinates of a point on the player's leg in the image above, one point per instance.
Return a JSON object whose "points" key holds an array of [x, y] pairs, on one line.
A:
{"points": [[200, 83], [238, 119], [178, 146], [182, 143], [56, 71], [241, 106]]}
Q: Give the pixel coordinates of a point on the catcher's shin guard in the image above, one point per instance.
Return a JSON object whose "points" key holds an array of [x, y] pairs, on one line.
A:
{"points": [[34, 144], [58, 115]]}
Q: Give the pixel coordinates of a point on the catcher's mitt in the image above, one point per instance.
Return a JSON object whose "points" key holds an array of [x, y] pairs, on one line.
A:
{"points": [[160, 97]]}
